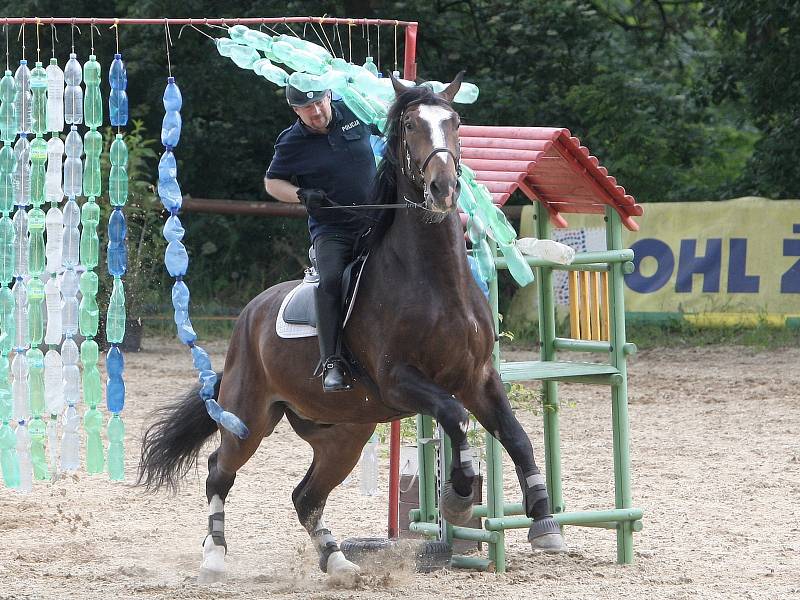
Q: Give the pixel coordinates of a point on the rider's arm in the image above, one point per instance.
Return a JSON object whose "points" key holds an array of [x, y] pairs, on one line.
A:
{"points": [[280, 189]]}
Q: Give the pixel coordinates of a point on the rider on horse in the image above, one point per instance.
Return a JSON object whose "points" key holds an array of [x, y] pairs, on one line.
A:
{"points": [[325, 159]]}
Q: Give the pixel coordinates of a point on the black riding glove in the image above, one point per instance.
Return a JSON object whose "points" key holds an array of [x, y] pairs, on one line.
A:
{"points": [[313, 198]]}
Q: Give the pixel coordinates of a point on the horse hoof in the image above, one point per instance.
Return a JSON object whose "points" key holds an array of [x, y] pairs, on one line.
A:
{"points": [[455, 508], [208, 576], [341, 571], [545, 536]]}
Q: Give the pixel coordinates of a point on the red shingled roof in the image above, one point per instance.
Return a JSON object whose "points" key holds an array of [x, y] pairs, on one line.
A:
{"points": [[547, 164]]}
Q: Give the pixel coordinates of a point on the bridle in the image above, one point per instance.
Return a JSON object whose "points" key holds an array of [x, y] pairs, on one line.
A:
{"points": [[412, 171]]}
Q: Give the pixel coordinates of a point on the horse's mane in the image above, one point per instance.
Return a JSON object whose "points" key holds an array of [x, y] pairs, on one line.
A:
{"points": [[384, 190]]}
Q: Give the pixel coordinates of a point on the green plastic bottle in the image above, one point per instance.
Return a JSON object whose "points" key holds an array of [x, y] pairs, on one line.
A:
{"points": [[89, 313], [8, 111], [36, 427], [118, 178], [115, 319], [116, 448], [7, 250], [90, 243], [93, 425], [92, 384], [93, 147], [92, 100], [39, 99]]}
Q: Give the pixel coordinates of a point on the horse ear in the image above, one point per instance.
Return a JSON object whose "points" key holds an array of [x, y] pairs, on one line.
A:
{"points": [[399, 88], [451, 90]]}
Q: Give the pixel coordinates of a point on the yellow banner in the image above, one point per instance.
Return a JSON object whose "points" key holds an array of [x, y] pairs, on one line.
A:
{"points": [[736, 257]]}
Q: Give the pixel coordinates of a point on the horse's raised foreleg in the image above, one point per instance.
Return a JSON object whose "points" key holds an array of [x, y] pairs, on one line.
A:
{"points": [[336, 451], [411, 391], [493, 411]]}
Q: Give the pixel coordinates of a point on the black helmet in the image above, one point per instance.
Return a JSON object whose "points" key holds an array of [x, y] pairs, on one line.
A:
{"points": [[297, 98]]}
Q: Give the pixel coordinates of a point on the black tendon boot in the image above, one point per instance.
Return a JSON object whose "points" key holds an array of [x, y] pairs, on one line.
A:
{"points": [[545, 533]]}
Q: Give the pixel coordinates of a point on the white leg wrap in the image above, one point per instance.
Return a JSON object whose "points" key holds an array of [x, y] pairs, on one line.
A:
{"points": [[341, 570], [213, 567]]}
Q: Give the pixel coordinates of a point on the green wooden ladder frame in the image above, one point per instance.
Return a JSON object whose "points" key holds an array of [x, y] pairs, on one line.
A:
{"points": [[499, 515]]}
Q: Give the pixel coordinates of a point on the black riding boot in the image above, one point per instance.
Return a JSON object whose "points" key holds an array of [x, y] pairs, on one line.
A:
{"points": [[333, 375]]}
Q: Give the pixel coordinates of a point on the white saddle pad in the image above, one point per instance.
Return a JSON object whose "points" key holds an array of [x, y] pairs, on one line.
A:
{"points": [[292, 330]]}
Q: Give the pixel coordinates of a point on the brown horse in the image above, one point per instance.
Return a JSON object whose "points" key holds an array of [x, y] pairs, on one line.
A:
{"points": [[421, 332]]}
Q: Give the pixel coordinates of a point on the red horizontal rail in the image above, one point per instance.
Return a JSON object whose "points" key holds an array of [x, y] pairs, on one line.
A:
{"points": [[201, 21], [517, 133], [499, 153], [504, 143]]}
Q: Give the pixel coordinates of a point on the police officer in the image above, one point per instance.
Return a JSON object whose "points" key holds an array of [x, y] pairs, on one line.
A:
{"points": [[325, 159]]}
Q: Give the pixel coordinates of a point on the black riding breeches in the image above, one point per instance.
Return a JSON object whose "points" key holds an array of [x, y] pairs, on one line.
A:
{"points": [[333, 253]]}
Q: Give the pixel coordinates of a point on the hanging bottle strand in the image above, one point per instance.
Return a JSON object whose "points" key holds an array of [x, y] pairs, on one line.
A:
{"points": [[8, 131], [117, 263], [89, 257], [22, 196], [73, 187], [368, 96], [36, 268], [54, 227], [176, 259]]}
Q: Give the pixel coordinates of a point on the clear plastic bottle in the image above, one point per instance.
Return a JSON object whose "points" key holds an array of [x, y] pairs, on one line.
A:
{"points": [[22, 100], [70, 440], [24, 457], [69, 290], [71, 245], [52, 296], [73, 167], [20, 291], [73, 94], [71, 372], [20, 222], [369, 467], [54, 224], [53, 382], [55, 96], [19, 387], [22, 172], [55, 168], [39, 99]]}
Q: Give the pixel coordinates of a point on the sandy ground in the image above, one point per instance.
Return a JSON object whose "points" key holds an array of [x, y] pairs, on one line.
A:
{"points": [[715, 453]]}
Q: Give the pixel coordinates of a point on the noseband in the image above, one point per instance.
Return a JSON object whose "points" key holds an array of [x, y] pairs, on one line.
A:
{"points": [[412, 171]]}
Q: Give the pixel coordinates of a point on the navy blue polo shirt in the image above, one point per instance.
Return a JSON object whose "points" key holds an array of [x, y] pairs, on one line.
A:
{"points": [[340, 162]]}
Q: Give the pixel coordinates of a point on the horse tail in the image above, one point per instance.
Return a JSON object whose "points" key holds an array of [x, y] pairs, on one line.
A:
{"points": [[170, 446]]}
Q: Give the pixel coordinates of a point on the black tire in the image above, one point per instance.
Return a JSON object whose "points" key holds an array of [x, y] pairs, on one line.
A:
{"points": [[430, 555]]}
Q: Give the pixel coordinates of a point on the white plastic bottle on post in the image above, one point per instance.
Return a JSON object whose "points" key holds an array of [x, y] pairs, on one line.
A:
{"points": [[546, 250], [369, 467]]}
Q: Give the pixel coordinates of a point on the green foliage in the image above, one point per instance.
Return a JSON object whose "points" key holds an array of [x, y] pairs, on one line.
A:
{"points": [[679, 100]]}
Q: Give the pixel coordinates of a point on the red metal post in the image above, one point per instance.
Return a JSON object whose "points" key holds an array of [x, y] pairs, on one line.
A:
{"points": [[410, 58]]}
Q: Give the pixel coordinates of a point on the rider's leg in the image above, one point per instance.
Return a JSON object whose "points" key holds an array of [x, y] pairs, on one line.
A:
{"points": [[333, 253]]}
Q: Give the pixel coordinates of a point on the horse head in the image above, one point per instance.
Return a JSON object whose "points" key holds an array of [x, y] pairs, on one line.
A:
{"points": [[426, 144]]}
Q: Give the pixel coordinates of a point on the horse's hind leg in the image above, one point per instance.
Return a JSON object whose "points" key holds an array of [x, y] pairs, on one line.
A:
{"points": [[336, 451], [247, 400], [493, 411]]}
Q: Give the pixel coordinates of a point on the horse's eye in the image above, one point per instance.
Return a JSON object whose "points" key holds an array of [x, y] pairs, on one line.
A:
{"points": [[409, 125]]}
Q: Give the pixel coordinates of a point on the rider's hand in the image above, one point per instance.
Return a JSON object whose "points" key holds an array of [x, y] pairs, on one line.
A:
{"points": [[313, 198]]}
